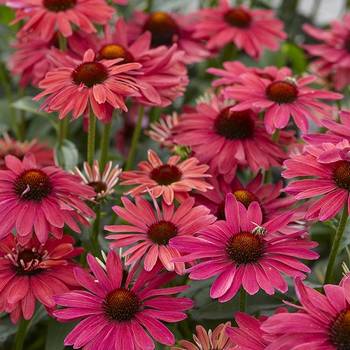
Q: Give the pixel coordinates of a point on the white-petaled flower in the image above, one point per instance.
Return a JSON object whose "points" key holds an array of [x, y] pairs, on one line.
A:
{"points": [[103, 183]]}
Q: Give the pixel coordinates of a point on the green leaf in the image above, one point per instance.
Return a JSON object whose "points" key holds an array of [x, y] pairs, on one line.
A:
{"points": [[56, 332], [6, 15], [295, 56], [27, 104], [66, 155]]}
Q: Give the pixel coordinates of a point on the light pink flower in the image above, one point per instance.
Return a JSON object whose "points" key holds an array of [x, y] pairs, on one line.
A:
{"points": [[248, 29], [225, 139], [150, 230], [243, 252], [322, 320], [76, 87], [45, 17], [40, 200], [33, 272], [325, 171], [282, 98], [120, 310], [171, 180], [167, 29]]}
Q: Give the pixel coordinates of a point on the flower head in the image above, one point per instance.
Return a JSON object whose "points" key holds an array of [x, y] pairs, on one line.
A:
{"points": [[174, 179], [40, 200], [120, 310], [248, 29], [35, 271], [244, 252], [151, 229]]}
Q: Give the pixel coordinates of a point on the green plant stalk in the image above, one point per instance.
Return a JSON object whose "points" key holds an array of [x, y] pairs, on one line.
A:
{"points": [[62, 130], [91, 138], [335, 246], [135, 139], [104, 146], [242, 300], [95, 232], [149, 6], [21, 334]]}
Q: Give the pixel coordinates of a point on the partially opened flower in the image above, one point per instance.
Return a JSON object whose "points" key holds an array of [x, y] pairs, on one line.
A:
{"points": [[167, 29], [120, 310], [103, 182], [35, 272], [208, 340], [150, 230], [9, 146], [40, 200], [241, 251], [248, 29], [78, 87], [225, 139], [322, 321], [281, 99], [171, 180], [324, 169], [45, 17]]}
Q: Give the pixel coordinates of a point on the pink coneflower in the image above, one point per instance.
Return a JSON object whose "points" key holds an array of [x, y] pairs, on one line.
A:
{"points": [[322, 321], [203, 340], [34, 272], [267, 195], [151, 229], [243, 252], [78, 86], [9, 146], [103, 182], [282, 98], [118, 309], [225, 139], [45, 17], [248, 29], [171, 180], [326, 169], [40, 199], [162, 77], [167, 29]]}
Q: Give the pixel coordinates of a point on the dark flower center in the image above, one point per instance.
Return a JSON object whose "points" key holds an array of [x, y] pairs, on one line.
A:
{"points": [[238, 17], [114, 51], [166, 174], [235, 125], [245, 248], [90, 74], [59, 5], [161, 232], [245, 197], [282, 91], [121, 305], [163, 28], [341, 174], [33, 185], [28, 261], [340, 331], [98, 186]]}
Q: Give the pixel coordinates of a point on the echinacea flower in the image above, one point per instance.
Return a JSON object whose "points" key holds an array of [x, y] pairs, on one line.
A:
{"points": [[282, 98], [40, 200], [9, 146], [150, 230], [167, 29], [173, 179], [322, 321], [225, 139], [324, 169], [163, 75], [35, 272], [120, 310], [45, 17], [208, 340], [103, 182], [241, 251], [251, 30], [79, 86]]}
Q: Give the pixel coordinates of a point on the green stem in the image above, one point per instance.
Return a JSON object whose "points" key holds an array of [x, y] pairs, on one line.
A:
{"points": [[62, 130], [104, 147], [335, 246], [91, 138], [96, 231], [149, 6], [276, 135], [20, 335], [135, 139], [242, 300], [62, 42]]}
